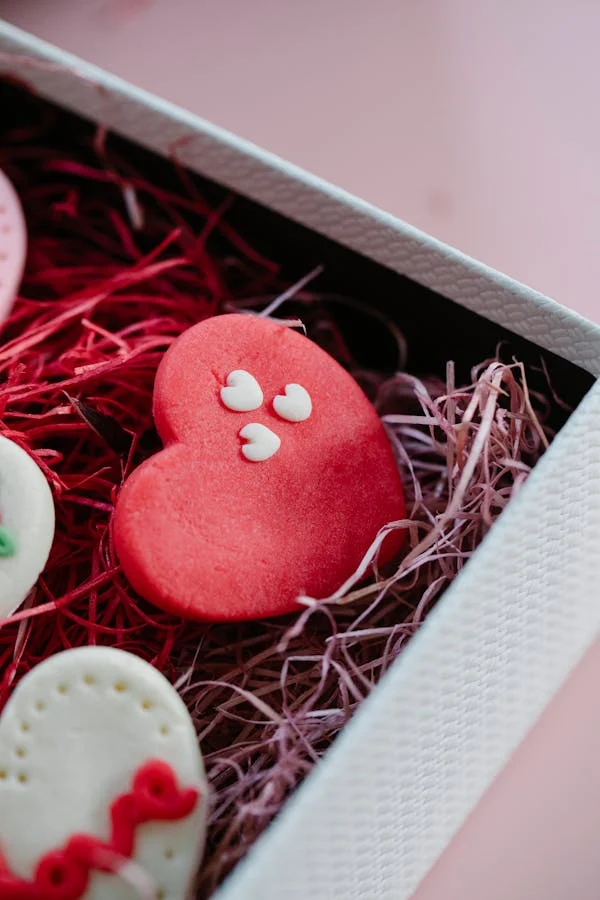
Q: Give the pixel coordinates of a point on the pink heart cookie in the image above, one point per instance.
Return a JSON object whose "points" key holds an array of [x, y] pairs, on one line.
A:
{"points": [[13, 245]]}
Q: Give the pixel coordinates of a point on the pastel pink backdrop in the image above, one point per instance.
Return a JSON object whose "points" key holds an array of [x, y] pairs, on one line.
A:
{"points": [[535, 834], [474, 120]]}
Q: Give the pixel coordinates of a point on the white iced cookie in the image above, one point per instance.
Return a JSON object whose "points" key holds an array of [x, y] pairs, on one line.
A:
{"points": [[99, 768], [26, 525]]}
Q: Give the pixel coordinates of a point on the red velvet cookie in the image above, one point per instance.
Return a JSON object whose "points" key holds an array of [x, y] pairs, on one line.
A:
{"points": [[276, 476]]}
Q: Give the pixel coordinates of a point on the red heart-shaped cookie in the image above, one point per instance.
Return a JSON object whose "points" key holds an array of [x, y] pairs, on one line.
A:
{"points": [[275, 478]]}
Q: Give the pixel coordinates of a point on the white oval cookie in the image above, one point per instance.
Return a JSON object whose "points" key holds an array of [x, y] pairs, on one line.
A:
{"points": [[13, 245], [72, 738], [26, 525]]}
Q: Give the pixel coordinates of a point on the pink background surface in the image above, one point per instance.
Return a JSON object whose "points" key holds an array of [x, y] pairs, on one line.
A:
{"points": [[535, 834], [475, 120]]}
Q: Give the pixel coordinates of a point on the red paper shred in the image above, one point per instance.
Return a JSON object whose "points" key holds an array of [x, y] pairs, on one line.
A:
{"points": [[118, 267]]}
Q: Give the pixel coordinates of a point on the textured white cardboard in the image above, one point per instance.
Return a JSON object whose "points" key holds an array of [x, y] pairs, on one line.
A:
{"points": [[377, 812]]}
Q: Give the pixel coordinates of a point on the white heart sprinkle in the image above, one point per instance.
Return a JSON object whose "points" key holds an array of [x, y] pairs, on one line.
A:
{"points": [[294, 405], [27, 520], [262, 442], [72, 736], [242, 393]]}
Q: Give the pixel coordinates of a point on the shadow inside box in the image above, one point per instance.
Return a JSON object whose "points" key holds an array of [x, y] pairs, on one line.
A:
{"points": [[436, 330]]}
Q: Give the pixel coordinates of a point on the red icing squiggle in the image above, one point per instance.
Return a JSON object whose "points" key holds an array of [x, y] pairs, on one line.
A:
{"points": [[64, 874]]}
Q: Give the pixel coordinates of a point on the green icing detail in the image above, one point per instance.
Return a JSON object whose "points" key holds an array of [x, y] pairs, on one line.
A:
{"points": [[8, 544]]}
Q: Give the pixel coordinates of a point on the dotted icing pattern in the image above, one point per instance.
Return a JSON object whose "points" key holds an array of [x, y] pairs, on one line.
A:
{"points": [[88, 680]]}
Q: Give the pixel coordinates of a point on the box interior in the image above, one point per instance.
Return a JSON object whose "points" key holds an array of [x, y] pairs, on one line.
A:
{"points": [[436, 328]]}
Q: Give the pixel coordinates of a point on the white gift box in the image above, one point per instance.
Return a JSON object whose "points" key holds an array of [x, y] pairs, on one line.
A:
{"points": [[400, 784]]}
